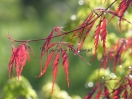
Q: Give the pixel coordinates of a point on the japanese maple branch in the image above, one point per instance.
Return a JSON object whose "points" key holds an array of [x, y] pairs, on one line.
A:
{"points": [[65, 33]]}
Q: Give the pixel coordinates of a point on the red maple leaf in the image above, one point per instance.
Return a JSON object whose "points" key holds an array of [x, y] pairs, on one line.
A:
{"points": [[65, 64], [18, 59], [96, 37], [55, 69], [103, 34]]}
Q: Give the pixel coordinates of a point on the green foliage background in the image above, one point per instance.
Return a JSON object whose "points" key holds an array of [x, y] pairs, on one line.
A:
{"points": [[26, 19]]}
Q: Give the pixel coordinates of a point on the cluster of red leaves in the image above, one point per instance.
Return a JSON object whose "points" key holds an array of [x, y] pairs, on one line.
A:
{"points": [[18, 59], [59, 49], [87, 25], [54, 50], [124, 86], [101, 27], [123, 6], [84, 29], [123, 89], [116, 51]]}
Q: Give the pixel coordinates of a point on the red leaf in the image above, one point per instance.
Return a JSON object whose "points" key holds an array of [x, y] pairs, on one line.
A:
{"points": [[83, 26], [55, 69], [86, 24], [123, 6], [43, 52], [47, 49], [31, 50], [107, 58], [86, 34], [18, 59], [47, 41], [46, 64], [87, 20], [84, 29], [65, 65], [104, 62], [96, 37], [103, 34], [118, 54]]}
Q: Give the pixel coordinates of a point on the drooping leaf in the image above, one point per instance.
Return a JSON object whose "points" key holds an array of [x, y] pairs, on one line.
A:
{"points": [[86, 25], [96, 37], [103, 34], [55, 69], [47, 41], [65, 64], [118, 54], [80, 31], [104, 62], [43, 52], [86, 34], [123, 6], [48, 60], [31, 50]]}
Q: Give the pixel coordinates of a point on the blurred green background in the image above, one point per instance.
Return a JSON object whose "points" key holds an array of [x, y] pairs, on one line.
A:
{"points": [[31, 19]]}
